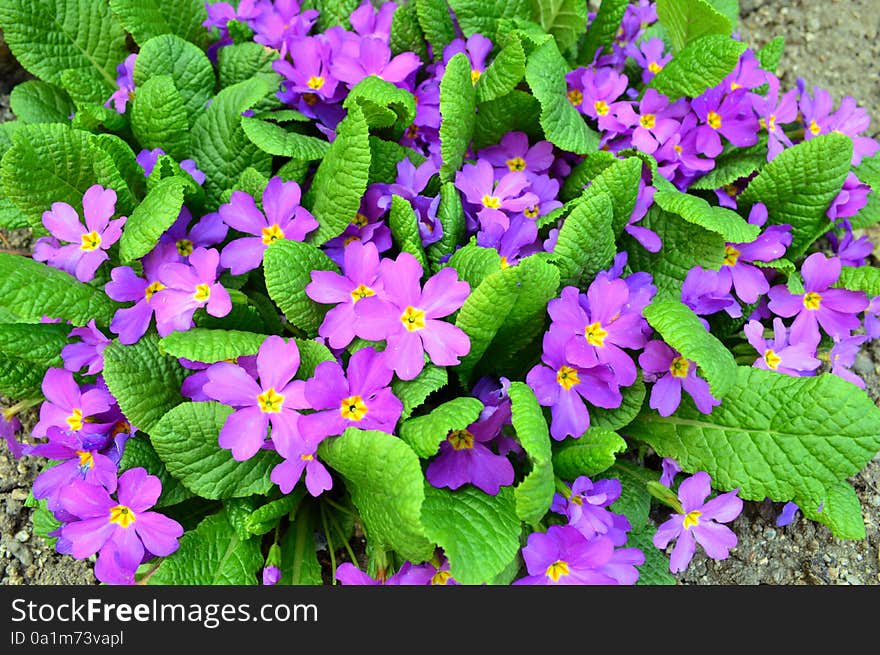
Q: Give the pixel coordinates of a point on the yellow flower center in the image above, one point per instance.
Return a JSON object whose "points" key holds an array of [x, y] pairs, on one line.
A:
{"points": [[714, 120], [441, 578], [412, 131], [516, 164], [654, 67], [475, 76], [461, 439], [601, 107], [772, 359], [567, 377], [648, 121], [270, 401], [503, 263], [814, 128], [531, 212], [557, 569], [360, 292], [353, 408], [272, 233], [203, 293], [152, 288], [90, 241], [315, 82], [75, 420], [413, 319], [184, 247], [575, 97], [348, 240], [492, 202], [86, 459], [122, 515], [679, 367], [771, 125], [360, 220], [734, 86], [692, 519], [577, 499], [812, 300], [731, 255], [678, 149], [595, 334]]}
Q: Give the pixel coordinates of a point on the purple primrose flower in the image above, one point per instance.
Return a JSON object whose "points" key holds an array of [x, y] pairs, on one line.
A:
{"points": [[188, 288], [671, 372]]}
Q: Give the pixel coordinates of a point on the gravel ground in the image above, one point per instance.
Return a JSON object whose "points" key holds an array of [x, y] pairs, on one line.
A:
{"points": [[830, 44]]}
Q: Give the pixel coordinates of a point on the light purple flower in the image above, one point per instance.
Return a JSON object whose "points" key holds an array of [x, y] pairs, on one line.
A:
{"points": [[299, 455], [87, 352], [124, 80], [787, 515], [513, 154], [729, 115], [368, 21], [586, 509], [490, 198], [851, 251], [408, 574], [872, 318], [649, 55], [651, 126], [600, 88], [309, 75], [850, 199], [281, 23], [699, 522], [10, 426], [671, 372], [477, 48], [749, 281], [188, 288], [68, 407], [774, 112], [797, 359], [706, 292], [208, 231], [131, 323], [374, 58], [670, 468], [271, 575], [843, 356]]}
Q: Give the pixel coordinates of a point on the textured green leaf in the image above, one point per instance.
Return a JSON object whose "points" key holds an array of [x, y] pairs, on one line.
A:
{"points": [[211, 555], [799, 184], [26, 353], [860, 278], [406, 33], [655, 570], [151, 219], [584, 172], [413, 393], [385, 480], [404, 226], [124, 160], [383, 103], [566, 20], [34, 101], [332, 12], [563, 125], [237, 511], [683, 330], [770, 55], [220, 147], [299, 552], [159, 117], [741, 162], [384, 157], [687, 20], [148, 18], [482, 16], [585, 244], [620, 417], [209, 346], [436, 22], [57, 295], [602, 29], [145, 383], [341, 178], [841, 511], [424, 434], [458, 114], [45, 522], [518, 111], [693, 209], [311, 353], [11, 217], [275, 140], [450, 214], [50, 36], [504, 73], [535, 493], [702, 64], [773, 436], [474, 263], [479, 533], [266, 517], [592, 453], [186, 440], [288, 266], [244, 61], [139, 452]]}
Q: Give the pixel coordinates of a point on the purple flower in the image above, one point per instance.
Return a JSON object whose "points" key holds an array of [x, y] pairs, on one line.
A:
{"points": [[649, 239], [728, 115], [563, 556], [407, 316], [872, 318], [670, 468], [851, 251], [131, 323], [282, 218], [408, 574], [188, 288], [834, 309], [86, 352], [274, 400], [517, 241], [477, 182], [786, 516], [147, 160], [706, 292], [271, 575], [370, 22], [281, 23], [513, 154], [649, 55], [699, 522], [600, 88], [747, 74], [411, 181], [373, 57], [850, 200], [299, 455], [586, 509], [88, 244], [9, 427], [358, 398], [671, 372], [208, 231], [125, 82], [679, 157], [797, 359], [121, 531], [843, 356], [852, 120], [747, 280], [774, 113], [477, 48], [653, 124], [309, 75], [69, 408]]}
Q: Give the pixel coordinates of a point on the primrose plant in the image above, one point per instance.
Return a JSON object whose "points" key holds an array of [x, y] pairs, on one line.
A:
{"points": [[519, 295]]}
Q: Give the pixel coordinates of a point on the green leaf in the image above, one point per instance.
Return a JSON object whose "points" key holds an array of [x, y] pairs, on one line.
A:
{"points": [[385, 480], [212, 554], [220, 147], [450, 215], [592, 453], [474, 263], [311, 353], [535, 493], [687, 20], [702, 64], [584, 173], [482, 16], [655, 570], [383, 103], [406, 33], [479, 533], [566, 20], [151, 219], [58, 294], [773, 436], [682, 329], [288, 266], [275, 140], [209, 346], [244, 61], [52, 36], [189, 68], [603, 28], [404, 226], [11, 217], [266, 517], [585, 244], [413, 393], [332, 12], [45, 522], [504, 73], [693, 209], [620, 417], [518, 111], [424, 434], [739, 163], [40, 102], [563, 125], [436, 23], [384, 157], [770, 55], [841, 511], [148, 18], [159, 117], [860, 278], [341, 178], [299, 552], [458, 101], [237, 511], [799, 184], [186, 440], [124, 160], [26, 353], [145, 383], [139, 452]]}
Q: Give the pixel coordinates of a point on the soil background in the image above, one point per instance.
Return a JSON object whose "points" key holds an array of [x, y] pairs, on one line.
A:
{"points": [[832, 44]]}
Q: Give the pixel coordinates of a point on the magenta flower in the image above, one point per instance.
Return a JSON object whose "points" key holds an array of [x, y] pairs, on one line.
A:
{"points": [[131, 323], [299, 455], [843, 356], [274, 400], [586, 509], [408, 574], [281, 23], [368, 21], [797, 359], [69, 408], [671, 372], [728, 115], [649, 55], [477, 182], [87, 244], [188, 288], [282, 218], [699, 522], [9, 428], [477, 48], [271, 575], [122, 531], [373, 58], [124, 80], [834, 309], [513, 154], [601, 87], [208, 231], [309, 75], [774, 112], [407, 316], [87, 352]]}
